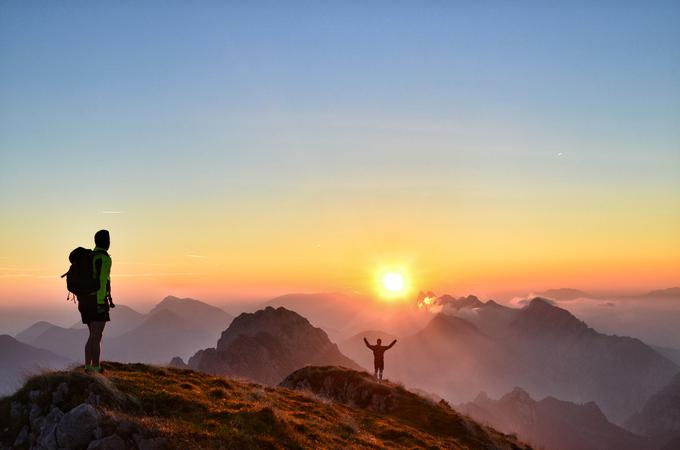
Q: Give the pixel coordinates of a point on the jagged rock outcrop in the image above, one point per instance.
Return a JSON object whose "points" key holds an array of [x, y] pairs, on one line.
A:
{"points": [[38, 421], [267, 345], [552, 423], [178, 363]]}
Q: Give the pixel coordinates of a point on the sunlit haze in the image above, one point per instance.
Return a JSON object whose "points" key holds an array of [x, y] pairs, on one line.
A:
{"points": [[243, 151]]}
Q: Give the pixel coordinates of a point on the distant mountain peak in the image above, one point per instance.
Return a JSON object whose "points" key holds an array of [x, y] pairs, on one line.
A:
{"points": [[448, 323], [669, 292], [542, 316], [470, 301], [268, 344], [540, 302], [518, 395], [6, 339], [172, 299], [493, 304], [565, 294]]}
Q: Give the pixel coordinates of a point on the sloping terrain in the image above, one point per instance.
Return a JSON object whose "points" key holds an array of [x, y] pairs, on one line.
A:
{"points": [[659, 419], [139, 406], [551, 423], [175, 326], [359, 390], [267, 345], [471, 346], [18, 360]]}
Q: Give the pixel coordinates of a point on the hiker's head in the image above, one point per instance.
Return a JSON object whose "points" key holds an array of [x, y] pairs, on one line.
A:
{"points": [[379, 341], [102, 239]]}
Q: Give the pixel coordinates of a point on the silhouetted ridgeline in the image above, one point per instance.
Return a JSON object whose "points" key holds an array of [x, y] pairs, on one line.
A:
{"points": [[173, 327], [142, 407], [267, 345], [551, 423], [474, 347]]}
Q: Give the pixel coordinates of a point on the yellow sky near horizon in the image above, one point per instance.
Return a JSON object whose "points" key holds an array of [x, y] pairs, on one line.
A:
{"points": [[295, 243]]}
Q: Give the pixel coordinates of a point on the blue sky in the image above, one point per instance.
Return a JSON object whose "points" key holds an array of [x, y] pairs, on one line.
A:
{"points": [[228, 104]]}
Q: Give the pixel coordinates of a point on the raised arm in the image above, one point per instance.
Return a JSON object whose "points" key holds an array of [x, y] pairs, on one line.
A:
{"points": [[367, 344], [393, 342]]}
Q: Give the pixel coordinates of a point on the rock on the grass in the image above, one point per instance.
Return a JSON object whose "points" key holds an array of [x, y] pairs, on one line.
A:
{"points": [[22, 438], [125, 428], [16, 410], [35, 418], [76, 429], [158, 443], [47, 438], [34, 395], [60, 393], [113, 442]]}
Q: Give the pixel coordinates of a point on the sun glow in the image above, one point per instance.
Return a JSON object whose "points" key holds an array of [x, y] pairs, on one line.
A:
{"points": [[393, 283]]}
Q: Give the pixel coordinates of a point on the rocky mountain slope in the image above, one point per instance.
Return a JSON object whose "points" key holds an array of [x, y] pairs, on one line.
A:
{"points": [[18, 360], [473, 346], [551, 423], [142, 407], [267, 345], [659, 419], [173, 327]]}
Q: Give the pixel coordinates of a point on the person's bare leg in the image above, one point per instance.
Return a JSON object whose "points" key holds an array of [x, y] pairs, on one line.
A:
{"points": [[88, 347], [98, 332]]}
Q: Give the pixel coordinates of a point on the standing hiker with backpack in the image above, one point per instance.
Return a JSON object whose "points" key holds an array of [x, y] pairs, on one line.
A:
{"points": [[88, 278]]}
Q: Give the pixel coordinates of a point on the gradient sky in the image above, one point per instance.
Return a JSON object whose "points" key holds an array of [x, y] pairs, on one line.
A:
{"points": [[248, 150]]}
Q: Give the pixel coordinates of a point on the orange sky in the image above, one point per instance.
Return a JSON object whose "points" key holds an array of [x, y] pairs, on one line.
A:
{"points": [[307, 149]]}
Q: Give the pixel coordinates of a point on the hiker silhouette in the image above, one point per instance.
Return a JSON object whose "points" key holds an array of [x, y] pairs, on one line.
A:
{"points": [[378, 356], [94, 306]]}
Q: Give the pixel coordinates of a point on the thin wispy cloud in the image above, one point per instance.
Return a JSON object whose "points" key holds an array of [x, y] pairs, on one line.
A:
{"points": [[196, 256], [112, 212], [157, 274]]}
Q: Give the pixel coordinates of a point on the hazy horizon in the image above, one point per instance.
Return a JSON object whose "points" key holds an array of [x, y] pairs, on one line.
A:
{"points": [[477, 148]]}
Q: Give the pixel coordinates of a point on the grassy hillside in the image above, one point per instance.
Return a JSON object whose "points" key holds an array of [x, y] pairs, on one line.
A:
{"points": [[195, 410]]}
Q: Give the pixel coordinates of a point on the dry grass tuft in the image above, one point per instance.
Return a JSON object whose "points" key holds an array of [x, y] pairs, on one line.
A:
{"points": [[196, 410]]}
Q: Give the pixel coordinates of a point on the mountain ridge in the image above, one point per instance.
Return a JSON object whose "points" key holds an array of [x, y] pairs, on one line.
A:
{"points": [[140, 406], [268, 344]]}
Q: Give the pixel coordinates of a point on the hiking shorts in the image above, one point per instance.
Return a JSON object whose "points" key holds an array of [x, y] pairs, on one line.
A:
{"points": [[91, 311], [379, 364]]}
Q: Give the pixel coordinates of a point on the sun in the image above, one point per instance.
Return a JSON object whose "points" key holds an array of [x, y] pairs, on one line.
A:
{"points": [[394, 283]]}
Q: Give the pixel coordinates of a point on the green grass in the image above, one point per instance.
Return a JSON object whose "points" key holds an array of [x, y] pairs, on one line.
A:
{"points": [[196, 410]]}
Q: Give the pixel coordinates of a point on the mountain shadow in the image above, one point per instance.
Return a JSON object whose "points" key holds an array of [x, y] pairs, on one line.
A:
{"points": [[492, 348], [267, 345], [173, 327], [551, 423], [18, 360], [659, 418]]}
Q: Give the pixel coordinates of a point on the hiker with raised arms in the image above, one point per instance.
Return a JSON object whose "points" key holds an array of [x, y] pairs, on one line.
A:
{"points": [[88, 279], [378, 356]]}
